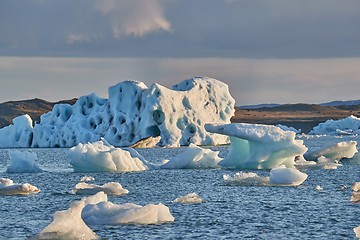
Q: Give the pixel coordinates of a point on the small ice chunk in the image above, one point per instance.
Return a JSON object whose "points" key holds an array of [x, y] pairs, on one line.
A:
{"points": [[23, 162], [318, 188], [287, 176], [110, 188], [189, 199], [128, 213], [7, 187], [194, 157], [246, 179], [100, 156], [87, 179], [326, 163], [355, 187], [68, 224], [357, 232]]}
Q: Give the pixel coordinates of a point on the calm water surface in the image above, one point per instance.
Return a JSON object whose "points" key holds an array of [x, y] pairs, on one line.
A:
{"points": [[230, 212]]}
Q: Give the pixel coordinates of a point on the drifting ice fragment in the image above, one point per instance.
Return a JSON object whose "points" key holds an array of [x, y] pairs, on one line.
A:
{"points": [[128, 213], [23, 162], [189, 199], [68, 224], [335, 152], [257, 146], [345, 126], [7, 187], [355, 197], [100, 156], [194, 157], [246, 179], [287, 176], [111, 188]]}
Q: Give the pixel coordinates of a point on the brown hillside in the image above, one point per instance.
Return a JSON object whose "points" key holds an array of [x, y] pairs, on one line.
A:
{"points": [[299, 116], [34, 107]]}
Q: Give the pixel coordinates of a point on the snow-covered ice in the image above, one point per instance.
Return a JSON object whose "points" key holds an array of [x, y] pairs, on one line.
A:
{"points": [[190, 198], [127, 213], [257, 146], [100, 156], [23, 162], [286, 176], [8, 187], [194, 157], [345, 126], [132, 112], [68, 224], [110, 188]]}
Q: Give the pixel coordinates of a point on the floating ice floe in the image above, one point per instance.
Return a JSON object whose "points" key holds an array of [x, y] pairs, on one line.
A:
{"points": [[279, 176], [286, 176], [190, 198], [321, 163], [345, 126], [87, 179], [257, 146], [318, 188], [127, 213], [355, 197], [68, 224], [334, 152], [7, 187], [23, 162], [357, 232], [110, 188], [100, 156], [194, 157], [245, 179], [132, 112]]}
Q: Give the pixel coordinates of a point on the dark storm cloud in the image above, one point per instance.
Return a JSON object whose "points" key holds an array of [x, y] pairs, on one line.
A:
{"points": [[181, 28]]}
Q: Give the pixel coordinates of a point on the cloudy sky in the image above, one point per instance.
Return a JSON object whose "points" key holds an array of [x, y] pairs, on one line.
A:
{"points": [[267, 51]]}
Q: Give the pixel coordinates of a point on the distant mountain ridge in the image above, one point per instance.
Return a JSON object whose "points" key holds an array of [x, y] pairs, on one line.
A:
{"points": [[327, 104]]}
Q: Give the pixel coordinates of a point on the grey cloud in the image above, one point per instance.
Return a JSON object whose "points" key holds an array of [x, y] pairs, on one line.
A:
{"points": [[181, 28]]}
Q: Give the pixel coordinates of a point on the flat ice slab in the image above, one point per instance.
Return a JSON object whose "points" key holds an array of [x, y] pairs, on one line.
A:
{"points": [[8, 187]]}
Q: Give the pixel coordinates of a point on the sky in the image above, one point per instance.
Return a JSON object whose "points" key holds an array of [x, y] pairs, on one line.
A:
{"points": [[267, 51]]}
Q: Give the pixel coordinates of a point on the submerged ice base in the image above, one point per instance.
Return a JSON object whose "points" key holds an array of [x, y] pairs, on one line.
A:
{"points": [[257, 146]]}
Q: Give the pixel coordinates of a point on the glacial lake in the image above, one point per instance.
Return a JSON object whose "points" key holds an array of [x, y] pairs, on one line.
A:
{"points": [[229, 212]]}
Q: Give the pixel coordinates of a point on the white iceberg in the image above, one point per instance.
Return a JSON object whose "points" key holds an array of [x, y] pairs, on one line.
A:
{"points": [[246, 179], [23, 162], [336, 152], [100, 156], [7, 187], [345, 126], [286, 176], [194, 157], [110, 188], [68, 224], [132, 112], [257, 146], [19, 134], [127, 213], [190, 198]]}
